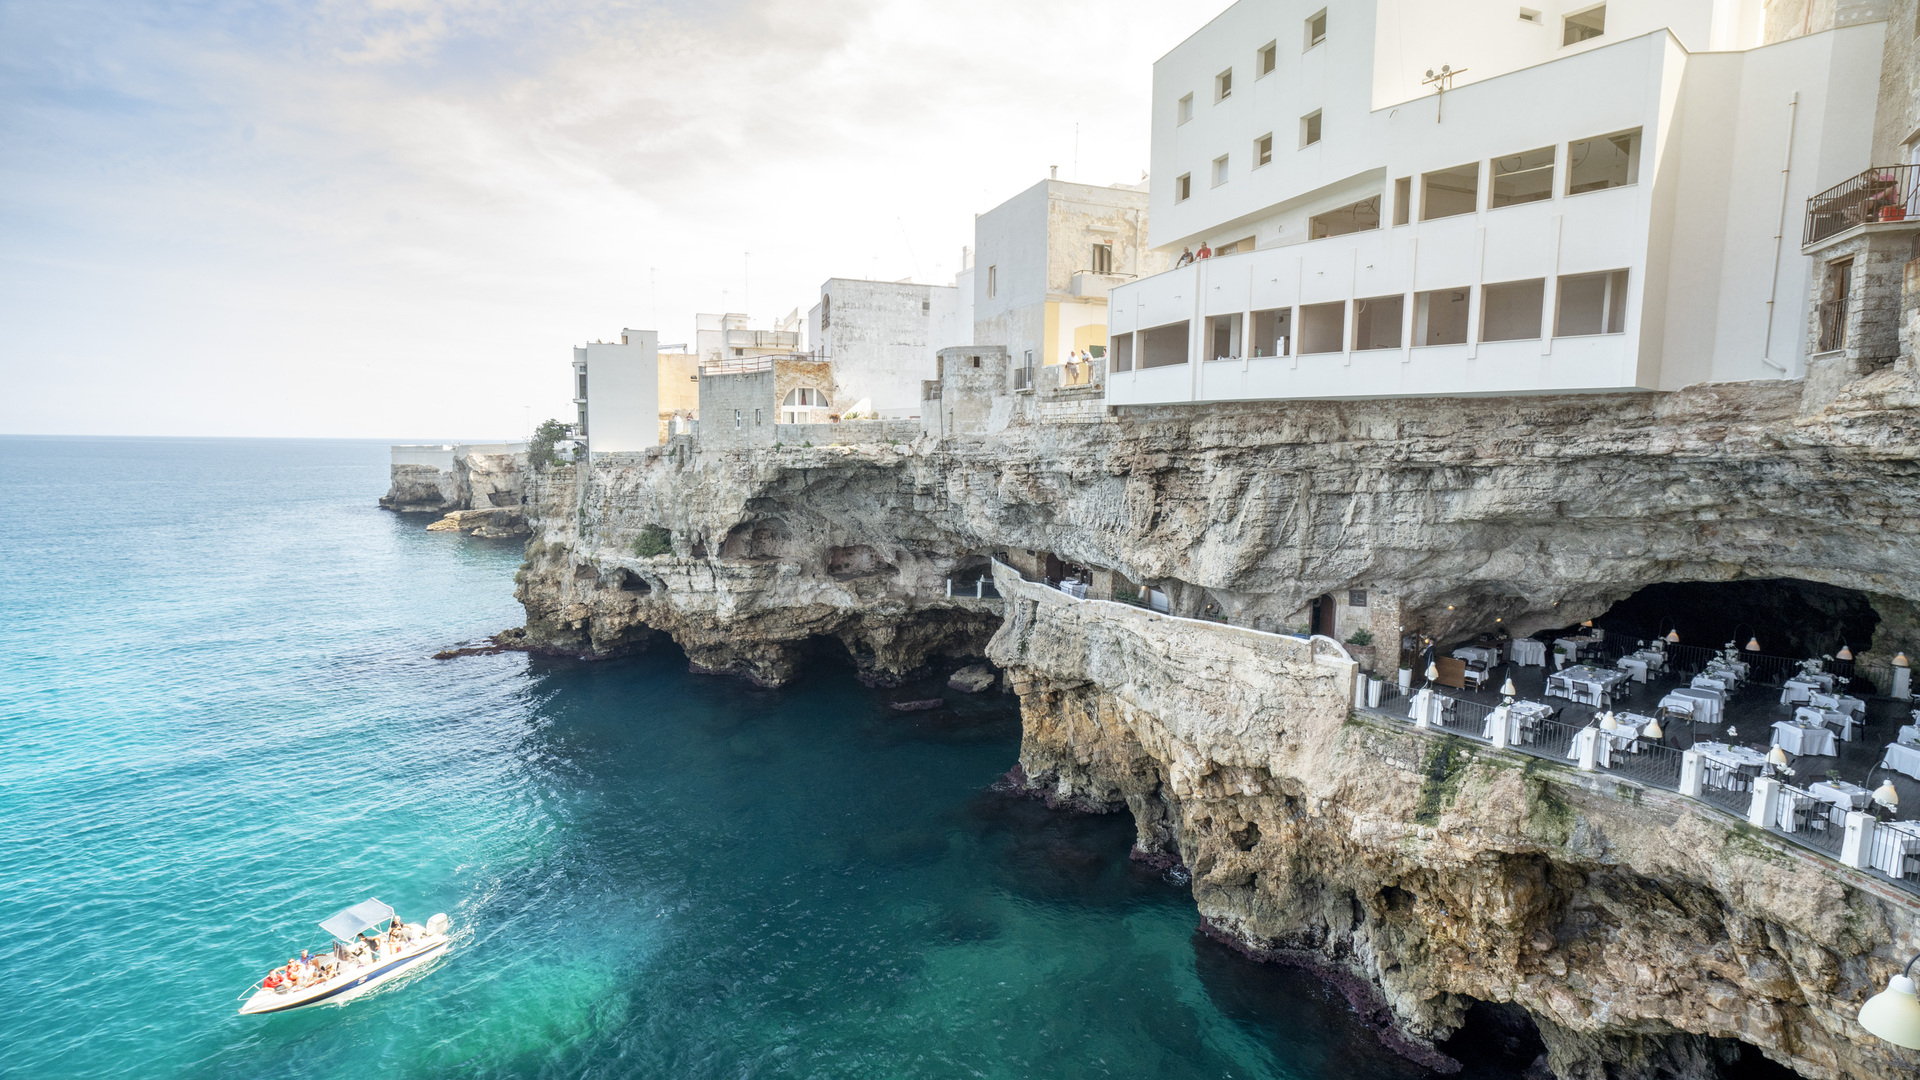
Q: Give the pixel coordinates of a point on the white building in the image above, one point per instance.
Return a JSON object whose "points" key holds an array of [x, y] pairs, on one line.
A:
{"points": [[1596, 202], [1044, 261], [882, 337], [616, 390], [719, 338]]}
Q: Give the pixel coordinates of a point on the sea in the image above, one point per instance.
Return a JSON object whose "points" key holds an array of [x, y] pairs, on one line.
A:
{"points": [[221, 722]]}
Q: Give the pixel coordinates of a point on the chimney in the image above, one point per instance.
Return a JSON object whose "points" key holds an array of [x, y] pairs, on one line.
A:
{"points": [[1053, 172]]}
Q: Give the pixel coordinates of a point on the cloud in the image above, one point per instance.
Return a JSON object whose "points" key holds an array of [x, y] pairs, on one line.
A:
{"points": [[395, 218]]}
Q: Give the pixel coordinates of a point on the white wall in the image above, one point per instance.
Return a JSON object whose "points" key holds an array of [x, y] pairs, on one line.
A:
{"points": [[881, 337], [623, 393]]}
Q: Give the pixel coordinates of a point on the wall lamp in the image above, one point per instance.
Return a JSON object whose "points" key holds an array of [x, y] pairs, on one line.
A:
{"points": [[1893, 1014]]}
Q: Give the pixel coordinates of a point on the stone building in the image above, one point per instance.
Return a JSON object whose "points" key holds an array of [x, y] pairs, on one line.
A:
{"points": [[959, 399], [881, 337], [742, 401]]}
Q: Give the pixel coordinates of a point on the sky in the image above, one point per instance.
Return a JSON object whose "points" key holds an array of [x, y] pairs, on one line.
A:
{"points": [[394, 218]]}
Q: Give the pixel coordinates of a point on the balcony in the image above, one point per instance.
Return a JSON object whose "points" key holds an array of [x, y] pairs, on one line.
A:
{"points": [[763, 339], [1089, 284], [1881, 195]]}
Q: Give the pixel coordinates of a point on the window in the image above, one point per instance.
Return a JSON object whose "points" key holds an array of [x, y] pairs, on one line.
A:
{"points": [[1310, 128], [993, 281], [1402, 199], [975, 359], [1102, 262], [1122, 353], [580, 390], [736, 418], [1833, 307], [1449, 192], [826, 310], [1376, 322], [1163, 346], [1510, 311], [1440, 317], [805, 397], [1322, 327], [1245, 243], [1272, 332], [1219, 170], [1223, 337], [1267, 60], [1585, 25], [1263, 150], [1316, 28], [1223, 86], [1352, 218], [1183, 187], [1591, 304], [1522, 178], [1608, 161], [1186, 109], [1356, 598], [1529, 15], [926, 306], [756, 418]]}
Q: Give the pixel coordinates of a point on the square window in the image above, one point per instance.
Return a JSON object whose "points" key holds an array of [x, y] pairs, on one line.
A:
{"points": [[1440, 317], [1608, 161], [1263, 150], [1219, 170], [1223, 85], [1356, 598], [1122, 354], [1183, 187], [1402, 199], [1316, 28], [1529, 15], [1322, 327], [1186, 109], [1591, 304], [1448, 192], [1585, 25], [1351, 218], [1310, 128], [1376, 322], [1522, 178], [1272, 332], [1510, 310], [1268, 59], [1223, 337]]}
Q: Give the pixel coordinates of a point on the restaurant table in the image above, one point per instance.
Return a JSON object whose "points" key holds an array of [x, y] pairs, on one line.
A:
{"points": [[1573, 646], [1656, 660], [1725, 762], [1485, 655], [1800, 689], [1841, 702], [1709, 681], [1841, 794], [1802, 740], [1739, 668], [1839, 721], [1606, 743], [1587, 685], [1896, 847], [1706, 706], [1803, 810], [1523, 721], [1634, 666], [1075, 589], [1529, 653], [1909, 734], [1902, 759]]}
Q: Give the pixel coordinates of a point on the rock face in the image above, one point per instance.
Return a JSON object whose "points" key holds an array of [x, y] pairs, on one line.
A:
{"points": [[1639, 930], [491, 523], [973, 678], [460, 477]]}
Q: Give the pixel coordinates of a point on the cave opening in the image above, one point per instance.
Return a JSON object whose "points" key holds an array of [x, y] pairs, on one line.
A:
{"points": [[1496, 1038], [1789, 617]]}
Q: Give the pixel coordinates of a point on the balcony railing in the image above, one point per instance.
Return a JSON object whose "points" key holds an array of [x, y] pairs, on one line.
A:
{"points": [[1884, 193], [763, 339], [745, 365]]}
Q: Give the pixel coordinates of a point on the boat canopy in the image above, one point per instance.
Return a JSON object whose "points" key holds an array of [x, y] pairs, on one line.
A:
{"points": [[356, 918]]}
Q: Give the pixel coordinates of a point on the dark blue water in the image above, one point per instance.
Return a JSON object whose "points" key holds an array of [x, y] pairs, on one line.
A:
{"points": [[221, 724]]}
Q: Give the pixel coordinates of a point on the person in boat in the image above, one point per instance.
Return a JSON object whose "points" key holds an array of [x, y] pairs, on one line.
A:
{"points": [[397, 932], [372, 945], [274, 979]]}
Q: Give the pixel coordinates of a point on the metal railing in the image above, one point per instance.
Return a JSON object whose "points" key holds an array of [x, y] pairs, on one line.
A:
{"points": [[1552, 739], [979, 588], [746, 365], [1653, 764], [1833, 325], [1730, 788], [1883, 193], [1895, 848], [1463, 717], [1810, 820]]}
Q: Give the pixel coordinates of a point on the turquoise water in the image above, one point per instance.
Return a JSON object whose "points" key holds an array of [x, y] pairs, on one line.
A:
{"points": [[221, 725]]}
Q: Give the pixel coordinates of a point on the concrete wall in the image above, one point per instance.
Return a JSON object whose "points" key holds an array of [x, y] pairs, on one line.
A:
{"points": [[738, 409], [960, 401], [881, 337], [847, 433], [623, 391]]}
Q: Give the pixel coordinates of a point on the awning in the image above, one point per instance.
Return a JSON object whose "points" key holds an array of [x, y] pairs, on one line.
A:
{"points": [[356, 918]]}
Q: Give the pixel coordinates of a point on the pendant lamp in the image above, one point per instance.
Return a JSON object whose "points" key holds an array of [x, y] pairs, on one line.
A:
{"points": [[1894, 1013], [1777, 757], [1844, 653], [1653, 729], [1753, 644], [1673, 637], [1886, 795], [1508, 688], [1607, 722], [1433, 671]]}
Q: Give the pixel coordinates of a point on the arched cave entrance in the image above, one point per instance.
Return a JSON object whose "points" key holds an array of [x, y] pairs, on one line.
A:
{"points": [[1320, 620], [1790, 617]]}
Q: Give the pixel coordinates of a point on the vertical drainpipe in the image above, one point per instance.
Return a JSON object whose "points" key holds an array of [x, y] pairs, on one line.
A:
{"points": [[1779, 234]]}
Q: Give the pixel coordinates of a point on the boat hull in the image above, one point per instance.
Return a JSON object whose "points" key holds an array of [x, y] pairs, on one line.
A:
{"points": [[344, 988]]}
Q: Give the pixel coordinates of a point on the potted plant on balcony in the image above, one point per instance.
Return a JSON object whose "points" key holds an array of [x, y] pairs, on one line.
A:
{"points": [[1360, 646]]}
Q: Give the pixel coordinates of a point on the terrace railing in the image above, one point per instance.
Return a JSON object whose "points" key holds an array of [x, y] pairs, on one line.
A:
{"points": [[1654, 764], [1811, 821], [1883, 193]]}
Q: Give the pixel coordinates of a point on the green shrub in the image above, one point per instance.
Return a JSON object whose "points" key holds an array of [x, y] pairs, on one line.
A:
{"points": [[653, 540], [540, 453], [1362, 636]]}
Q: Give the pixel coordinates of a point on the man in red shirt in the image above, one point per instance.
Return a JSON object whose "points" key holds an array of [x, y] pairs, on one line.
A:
{"points": [[1205, 252]]}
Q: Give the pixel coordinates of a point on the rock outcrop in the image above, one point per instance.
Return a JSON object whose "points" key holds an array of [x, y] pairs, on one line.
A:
{"points": [[456, 477]]}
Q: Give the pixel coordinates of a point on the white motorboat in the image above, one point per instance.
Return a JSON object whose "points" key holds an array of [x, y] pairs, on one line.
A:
{"points": [[351, 968]]}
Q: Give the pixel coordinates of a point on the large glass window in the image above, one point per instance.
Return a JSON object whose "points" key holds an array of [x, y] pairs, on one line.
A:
{"points": [[1322, 327], [1351, 218], [1376, 322], [1607, 161], [1591, 304], [1163, 346], [1522, 178], [1510, 310], [1448, 192], [1440, 317]]}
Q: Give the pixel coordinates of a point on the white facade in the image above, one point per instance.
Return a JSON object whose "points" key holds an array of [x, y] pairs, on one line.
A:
{"points": [[719, 338], [1585, 250], [616, 389], [882, 337]]}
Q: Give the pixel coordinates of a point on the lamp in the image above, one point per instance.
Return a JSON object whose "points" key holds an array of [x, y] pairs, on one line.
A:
{"points": [[1607, 722], [1433, 671], [1777, 757], [1589, 622], [1886, 795], [1653, 729], [1673, 637], [1508, 688], [1753, 644], [1844, 653], [1893, 1014], [1900, 660]]}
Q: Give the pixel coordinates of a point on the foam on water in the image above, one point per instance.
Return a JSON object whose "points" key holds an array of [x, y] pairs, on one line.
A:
{"points": [[221, 725]]}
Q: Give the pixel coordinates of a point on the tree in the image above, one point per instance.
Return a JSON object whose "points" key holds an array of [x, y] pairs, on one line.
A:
{"points": [[540, 453]]}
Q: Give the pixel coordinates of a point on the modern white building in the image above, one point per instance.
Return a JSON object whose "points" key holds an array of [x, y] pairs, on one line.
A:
{"points": [[1604, 197], [616, 392], [882, 337]]}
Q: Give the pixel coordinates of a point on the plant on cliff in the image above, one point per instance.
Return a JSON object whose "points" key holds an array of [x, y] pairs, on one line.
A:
{"points": [[540, 452], [1362, 636], [653, 540]]}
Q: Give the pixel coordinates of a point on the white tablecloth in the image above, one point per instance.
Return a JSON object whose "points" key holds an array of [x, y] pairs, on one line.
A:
{"points": [[1895, 845], [1523, 718], [1724, 761], [1904, 759], [1707, 705], [1736, 668], [1908, 735], [1797, 740], [1075, 589], [1841, 794], [1633, 666], [1839, 702], [1489, 657], [1722, 683], [1587, 685], [1838, 721], [1805, 810], [1656, 660], [1529, 653]]}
